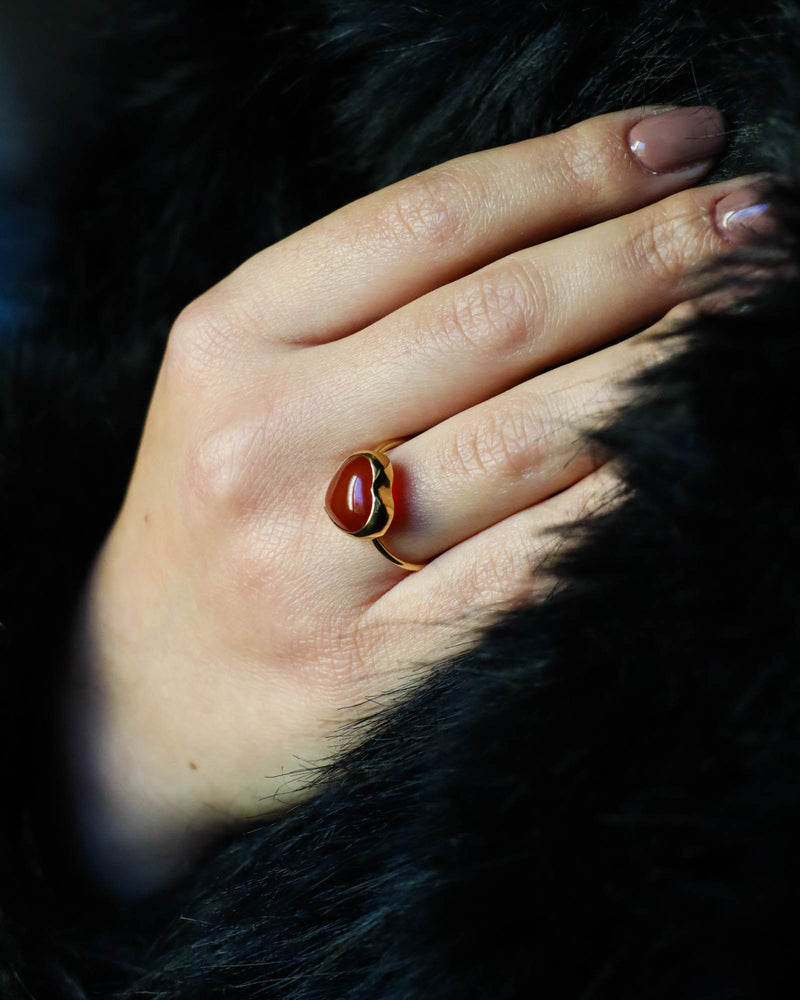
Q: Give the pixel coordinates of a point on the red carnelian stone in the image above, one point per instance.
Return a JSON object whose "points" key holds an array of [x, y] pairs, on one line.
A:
{"points": [[349, 497]]}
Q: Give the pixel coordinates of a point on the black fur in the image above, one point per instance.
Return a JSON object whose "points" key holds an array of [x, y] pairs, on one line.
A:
{"points": [[602, 800]]}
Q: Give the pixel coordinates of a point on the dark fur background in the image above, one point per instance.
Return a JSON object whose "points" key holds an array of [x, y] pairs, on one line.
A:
{"points": [[603, 800]]}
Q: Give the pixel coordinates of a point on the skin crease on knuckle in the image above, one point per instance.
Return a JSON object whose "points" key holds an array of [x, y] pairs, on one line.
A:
{"points": [[221, 478], [588, 170], [669, 236], [205, 344], [490, 313], [500, 450], [431, 210]]}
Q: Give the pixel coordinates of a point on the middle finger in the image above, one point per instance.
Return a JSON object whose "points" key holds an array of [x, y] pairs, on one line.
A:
{"points": [[482, 334]]}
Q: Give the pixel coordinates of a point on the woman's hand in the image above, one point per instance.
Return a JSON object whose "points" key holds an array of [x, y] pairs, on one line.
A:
{"points": [[230, 628]]}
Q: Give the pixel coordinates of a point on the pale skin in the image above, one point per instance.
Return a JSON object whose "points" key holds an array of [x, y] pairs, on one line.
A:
{"points": [[229, 629]]}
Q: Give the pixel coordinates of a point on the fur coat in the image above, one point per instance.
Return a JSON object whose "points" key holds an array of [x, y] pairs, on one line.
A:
{"points": [[602, 800]]}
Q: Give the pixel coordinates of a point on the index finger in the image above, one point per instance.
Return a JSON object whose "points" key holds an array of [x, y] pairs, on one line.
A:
{"points": [[385, 250]]}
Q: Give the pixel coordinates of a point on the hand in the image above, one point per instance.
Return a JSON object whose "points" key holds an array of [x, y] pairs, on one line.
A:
{"points": [[230, 629]]}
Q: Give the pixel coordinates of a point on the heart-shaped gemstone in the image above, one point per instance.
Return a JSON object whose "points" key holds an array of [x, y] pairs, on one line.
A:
{"points": [[349, 499]]}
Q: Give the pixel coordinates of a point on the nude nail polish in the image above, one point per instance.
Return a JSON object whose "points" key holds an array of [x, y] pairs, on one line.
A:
{"points": [[743, 216], [678, 139]]}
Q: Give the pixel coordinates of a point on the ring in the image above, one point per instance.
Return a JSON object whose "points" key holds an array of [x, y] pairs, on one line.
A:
{"points": [[359, 499]]}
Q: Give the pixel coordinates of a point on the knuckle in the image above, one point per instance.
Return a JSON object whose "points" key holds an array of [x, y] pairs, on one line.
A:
{"points": [[432, 209], [634, 358], [672, 239], [496, 576], [504, 447], [211, 478], [652, 349], [581, 162], [221, 475], [654, 250], [200, 343], [495, 310]]}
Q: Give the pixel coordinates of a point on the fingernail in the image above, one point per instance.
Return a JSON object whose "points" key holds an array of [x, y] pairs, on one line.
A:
{"points": [[674, 140], [743, 216]]}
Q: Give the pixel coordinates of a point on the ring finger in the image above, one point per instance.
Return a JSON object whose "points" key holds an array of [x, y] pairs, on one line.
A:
{"points": [[508, 453]]}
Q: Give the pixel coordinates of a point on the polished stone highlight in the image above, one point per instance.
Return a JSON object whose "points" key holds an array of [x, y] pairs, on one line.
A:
{"points": [[349, 498]]}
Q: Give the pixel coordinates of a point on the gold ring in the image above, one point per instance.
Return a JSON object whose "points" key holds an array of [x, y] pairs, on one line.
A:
{"points": [[359, 499]]}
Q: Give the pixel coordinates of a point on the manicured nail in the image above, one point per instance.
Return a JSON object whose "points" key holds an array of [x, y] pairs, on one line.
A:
{"points": [[743, 216], [674, 140]]}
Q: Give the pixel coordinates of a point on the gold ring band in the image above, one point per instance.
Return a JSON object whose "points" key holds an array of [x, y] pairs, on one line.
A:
{"points": [[393, 559], [359, 500]]}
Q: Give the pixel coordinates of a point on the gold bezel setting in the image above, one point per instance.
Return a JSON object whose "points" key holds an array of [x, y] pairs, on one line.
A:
{"points": [[382, 506], [382, 511]]}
